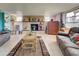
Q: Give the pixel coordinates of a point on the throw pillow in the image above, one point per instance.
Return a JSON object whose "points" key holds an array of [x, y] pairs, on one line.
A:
{"points": [[75, 37], [77, 43]]}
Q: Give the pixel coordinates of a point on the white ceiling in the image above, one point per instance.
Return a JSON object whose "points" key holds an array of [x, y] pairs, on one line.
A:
{"points": [[37, 8]]}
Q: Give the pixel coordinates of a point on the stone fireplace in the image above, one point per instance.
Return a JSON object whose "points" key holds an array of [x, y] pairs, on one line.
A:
{"points": [[34, 27]]}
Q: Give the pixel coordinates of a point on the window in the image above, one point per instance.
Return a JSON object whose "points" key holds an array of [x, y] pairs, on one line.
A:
{"points": [[70, 17], [70, 14], [19, 18], [77, 17], [77, 14], [47, 18]]}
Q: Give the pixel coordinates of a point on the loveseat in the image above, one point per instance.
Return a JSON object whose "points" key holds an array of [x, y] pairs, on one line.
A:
{"points": [[67, 47], [4, 37]]}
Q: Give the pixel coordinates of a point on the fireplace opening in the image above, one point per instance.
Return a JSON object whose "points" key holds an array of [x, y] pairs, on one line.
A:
{"points": [[34, 27]]}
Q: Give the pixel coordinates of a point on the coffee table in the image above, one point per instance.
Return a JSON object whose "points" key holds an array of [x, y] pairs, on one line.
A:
{"points": [[29, 42], [41, 50]]}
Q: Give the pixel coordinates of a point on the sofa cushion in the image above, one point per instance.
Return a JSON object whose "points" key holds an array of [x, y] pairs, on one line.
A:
{"points": [[63, 34], [72, 51], [74, 29], [75, 38], [64, 38], [4, 37], [66, 42]]}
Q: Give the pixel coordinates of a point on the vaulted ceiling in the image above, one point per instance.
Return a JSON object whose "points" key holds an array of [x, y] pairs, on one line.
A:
{"points": [[37, 8]]}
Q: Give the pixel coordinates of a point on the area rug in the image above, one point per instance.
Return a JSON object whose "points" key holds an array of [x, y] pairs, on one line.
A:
{"points": [[41, 50]]}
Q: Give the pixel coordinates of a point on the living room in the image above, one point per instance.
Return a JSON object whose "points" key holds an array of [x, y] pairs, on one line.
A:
{"points": [[39, 29]]}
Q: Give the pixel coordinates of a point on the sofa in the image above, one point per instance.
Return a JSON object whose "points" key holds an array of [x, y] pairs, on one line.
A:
{"points": [[67, 47], [4, 37]]}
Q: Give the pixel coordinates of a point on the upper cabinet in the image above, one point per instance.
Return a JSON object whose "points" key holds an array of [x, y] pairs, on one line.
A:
{"points": [[33, 18]]}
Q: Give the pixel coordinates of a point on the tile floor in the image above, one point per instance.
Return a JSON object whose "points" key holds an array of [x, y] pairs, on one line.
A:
{"points": [[51, 44]]}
